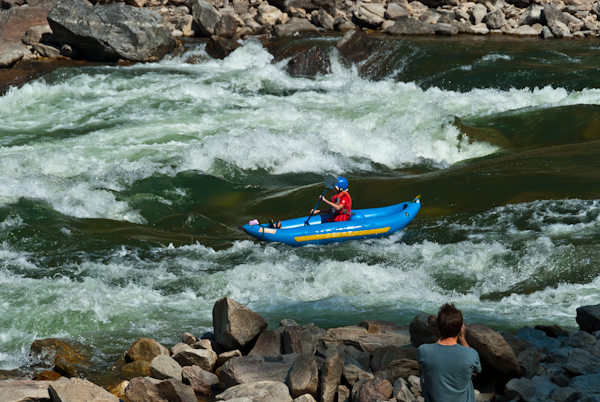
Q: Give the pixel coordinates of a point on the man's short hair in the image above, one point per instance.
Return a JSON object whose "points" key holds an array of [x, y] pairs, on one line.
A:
{"points": [[449, 321]]}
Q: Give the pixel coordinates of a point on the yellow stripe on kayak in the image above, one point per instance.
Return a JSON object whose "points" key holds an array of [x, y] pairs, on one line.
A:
{"points": [[335, 235]]}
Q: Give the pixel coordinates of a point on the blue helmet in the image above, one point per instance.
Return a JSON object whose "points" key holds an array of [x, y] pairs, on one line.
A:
{"points": [[342, 183]]}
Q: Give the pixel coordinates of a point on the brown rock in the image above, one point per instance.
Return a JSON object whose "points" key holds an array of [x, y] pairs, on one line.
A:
{"points": [[384, 356], [353, 373], [200, 380], [146, 349], [331, 376], [227, 26], [268, 344], [364, 341], [138, 368], [47, 375], [174, 390], [203, 358], [304, 376], [224, 357], [423, 329], [77, 389], [235, 326], [297, 340], [493, 349], [24, 390], [261, 391], [16, 21], [248, 369], [143, 389], [402, 368], [36, 34], [65, 358], [376, 388]]}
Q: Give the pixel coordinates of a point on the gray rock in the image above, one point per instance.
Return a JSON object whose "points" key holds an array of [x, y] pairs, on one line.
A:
{"points": [[414, 384], [331, 376], [352, 374], [395, 11], [268, 344], [25, 391], [423, 329], [77, 389], [294, 27], [445, 29], [478, 13], [582, 340], [566, 394], [188, 338], [226, 356], [547, 33], [369, 13], [479, 29], [174, 390], [305, 398], [402, 368], [253, 368], [298, 339], [10, 58], [532, 15], [589, 385], [203, 358], [325, 20], [529, 390], [262, 391], [410, 26], [227, 26], [402, 392], [200, 380], [206, 17], [492, 348], [37, 34], [343, 394], [495, 19], [539, 339], [143, 389], [526, 30], [219, 47], [374, 389], [180, 347], [529, 361], [553, 14], [304, 377], [287, 322], [111, 32], [163, 367], [581, 362], [561, 355]]}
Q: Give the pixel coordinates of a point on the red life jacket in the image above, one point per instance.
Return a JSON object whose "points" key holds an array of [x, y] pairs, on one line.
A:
{"points": [[344, 213]]}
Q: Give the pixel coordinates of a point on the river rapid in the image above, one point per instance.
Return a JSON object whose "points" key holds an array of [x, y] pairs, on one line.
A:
{"points": [[122, 189]]}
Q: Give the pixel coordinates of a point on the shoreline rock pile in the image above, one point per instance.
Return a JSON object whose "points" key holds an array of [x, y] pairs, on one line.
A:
{"points": [[244, 361], [144, 30]]}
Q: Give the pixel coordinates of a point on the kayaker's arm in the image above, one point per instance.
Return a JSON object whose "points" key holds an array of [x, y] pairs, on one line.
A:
{"points": [[334, 205]]}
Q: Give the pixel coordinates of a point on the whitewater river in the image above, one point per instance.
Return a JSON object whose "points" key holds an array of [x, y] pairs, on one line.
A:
{"points": [[122, 189]]}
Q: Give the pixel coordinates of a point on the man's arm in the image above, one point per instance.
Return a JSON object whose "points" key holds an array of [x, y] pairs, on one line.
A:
{"points": [[461, 337]]}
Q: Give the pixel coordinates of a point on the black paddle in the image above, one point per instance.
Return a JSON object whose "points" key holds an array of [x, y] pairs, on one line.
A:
{"points": [[330, 182]]}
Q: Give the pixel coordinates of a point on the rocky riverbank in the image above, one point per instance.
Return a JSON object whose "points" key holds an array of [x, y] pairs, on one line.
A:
{"points": [[243, 361], [147, 30]]}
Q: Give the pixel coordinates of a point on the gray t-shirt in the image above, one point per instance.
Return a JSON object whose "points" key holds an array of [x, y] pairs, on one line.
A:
{"points": [[446, 372]]}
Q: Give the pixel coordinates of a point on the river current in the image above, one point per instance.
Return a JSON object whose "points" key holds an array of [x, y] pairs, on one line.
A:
{"points": [[122, 189]]}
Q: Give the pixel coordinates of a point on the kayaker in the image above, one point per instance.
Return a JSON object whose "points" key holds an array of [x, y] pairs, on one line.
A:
{"points": [[340, 203]]}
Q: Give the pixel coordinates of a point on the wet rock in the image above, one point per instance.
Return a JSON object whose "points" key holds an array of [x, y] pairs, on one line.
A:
{"points": [[203, 358], [236, 326], [331, 376], [395, 11], [355, 47], [262, 391], [25, 391], [295, 27], [588, 385], [146, 349], [137, 368], [201, 381], [206, 17], [248, 369], [119, 389], [164, 367], [37, 34], [174, 390], [65, 358], [298, 339], [371, 390], [268, 344], [304, 377], [581, 362], [47, 375], [492, 348], [402, 368], [353, 373], [423, 329], [76, 389], [495, 19], [219, 48], [583, 340], [111, 32], [226, 356], [402, 392], [529, 390], [588, 318]]}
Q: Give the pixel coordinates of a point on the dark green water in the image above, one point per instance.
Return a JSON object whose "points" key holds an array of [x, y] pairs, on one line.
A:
{"points": [[122, 190]]}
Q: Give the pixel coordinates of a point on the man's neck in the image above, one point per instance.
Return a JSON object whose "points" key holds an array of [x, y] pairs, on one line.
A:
{"points": [[448, 341]]}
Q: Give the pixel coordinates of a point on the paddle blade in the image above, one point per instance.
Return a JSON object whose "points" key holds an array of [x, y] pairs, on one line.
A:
{"points": [[330, 181]]}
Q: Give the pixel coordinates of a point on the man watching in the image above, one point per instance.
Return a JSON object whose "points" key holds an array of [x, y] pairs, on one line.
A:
{"points": [[448, 365]]}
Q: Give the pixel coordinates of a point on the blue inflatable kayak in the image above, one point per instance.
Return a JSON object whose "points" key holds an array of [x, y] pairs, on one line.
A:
{"points": [[364, 224]]}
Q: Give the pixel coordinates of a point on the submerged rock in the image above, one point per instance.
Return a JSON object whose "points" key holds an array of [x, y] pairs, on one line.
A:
{"points": [[111, 32]]}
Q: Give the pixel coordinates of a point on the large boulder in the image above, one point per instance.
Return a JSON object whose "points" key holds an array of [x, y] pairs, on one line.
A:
{"points": [[16, 21], [253, 368], [205, 16], [268, 344], [66, 358], [201, 381], [372, 15], [304, 377], [495, 19], [532, 15], [24, 390], [331, 376], [423, 329], [588, 318], [236, 326], [402, 391], [77, 389], [298, 340], [588, 385], [261, 391], [402, 368], [111, 32], [356, 336], [581, 362], [493, 349], [146, 349], [307, 61]]}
